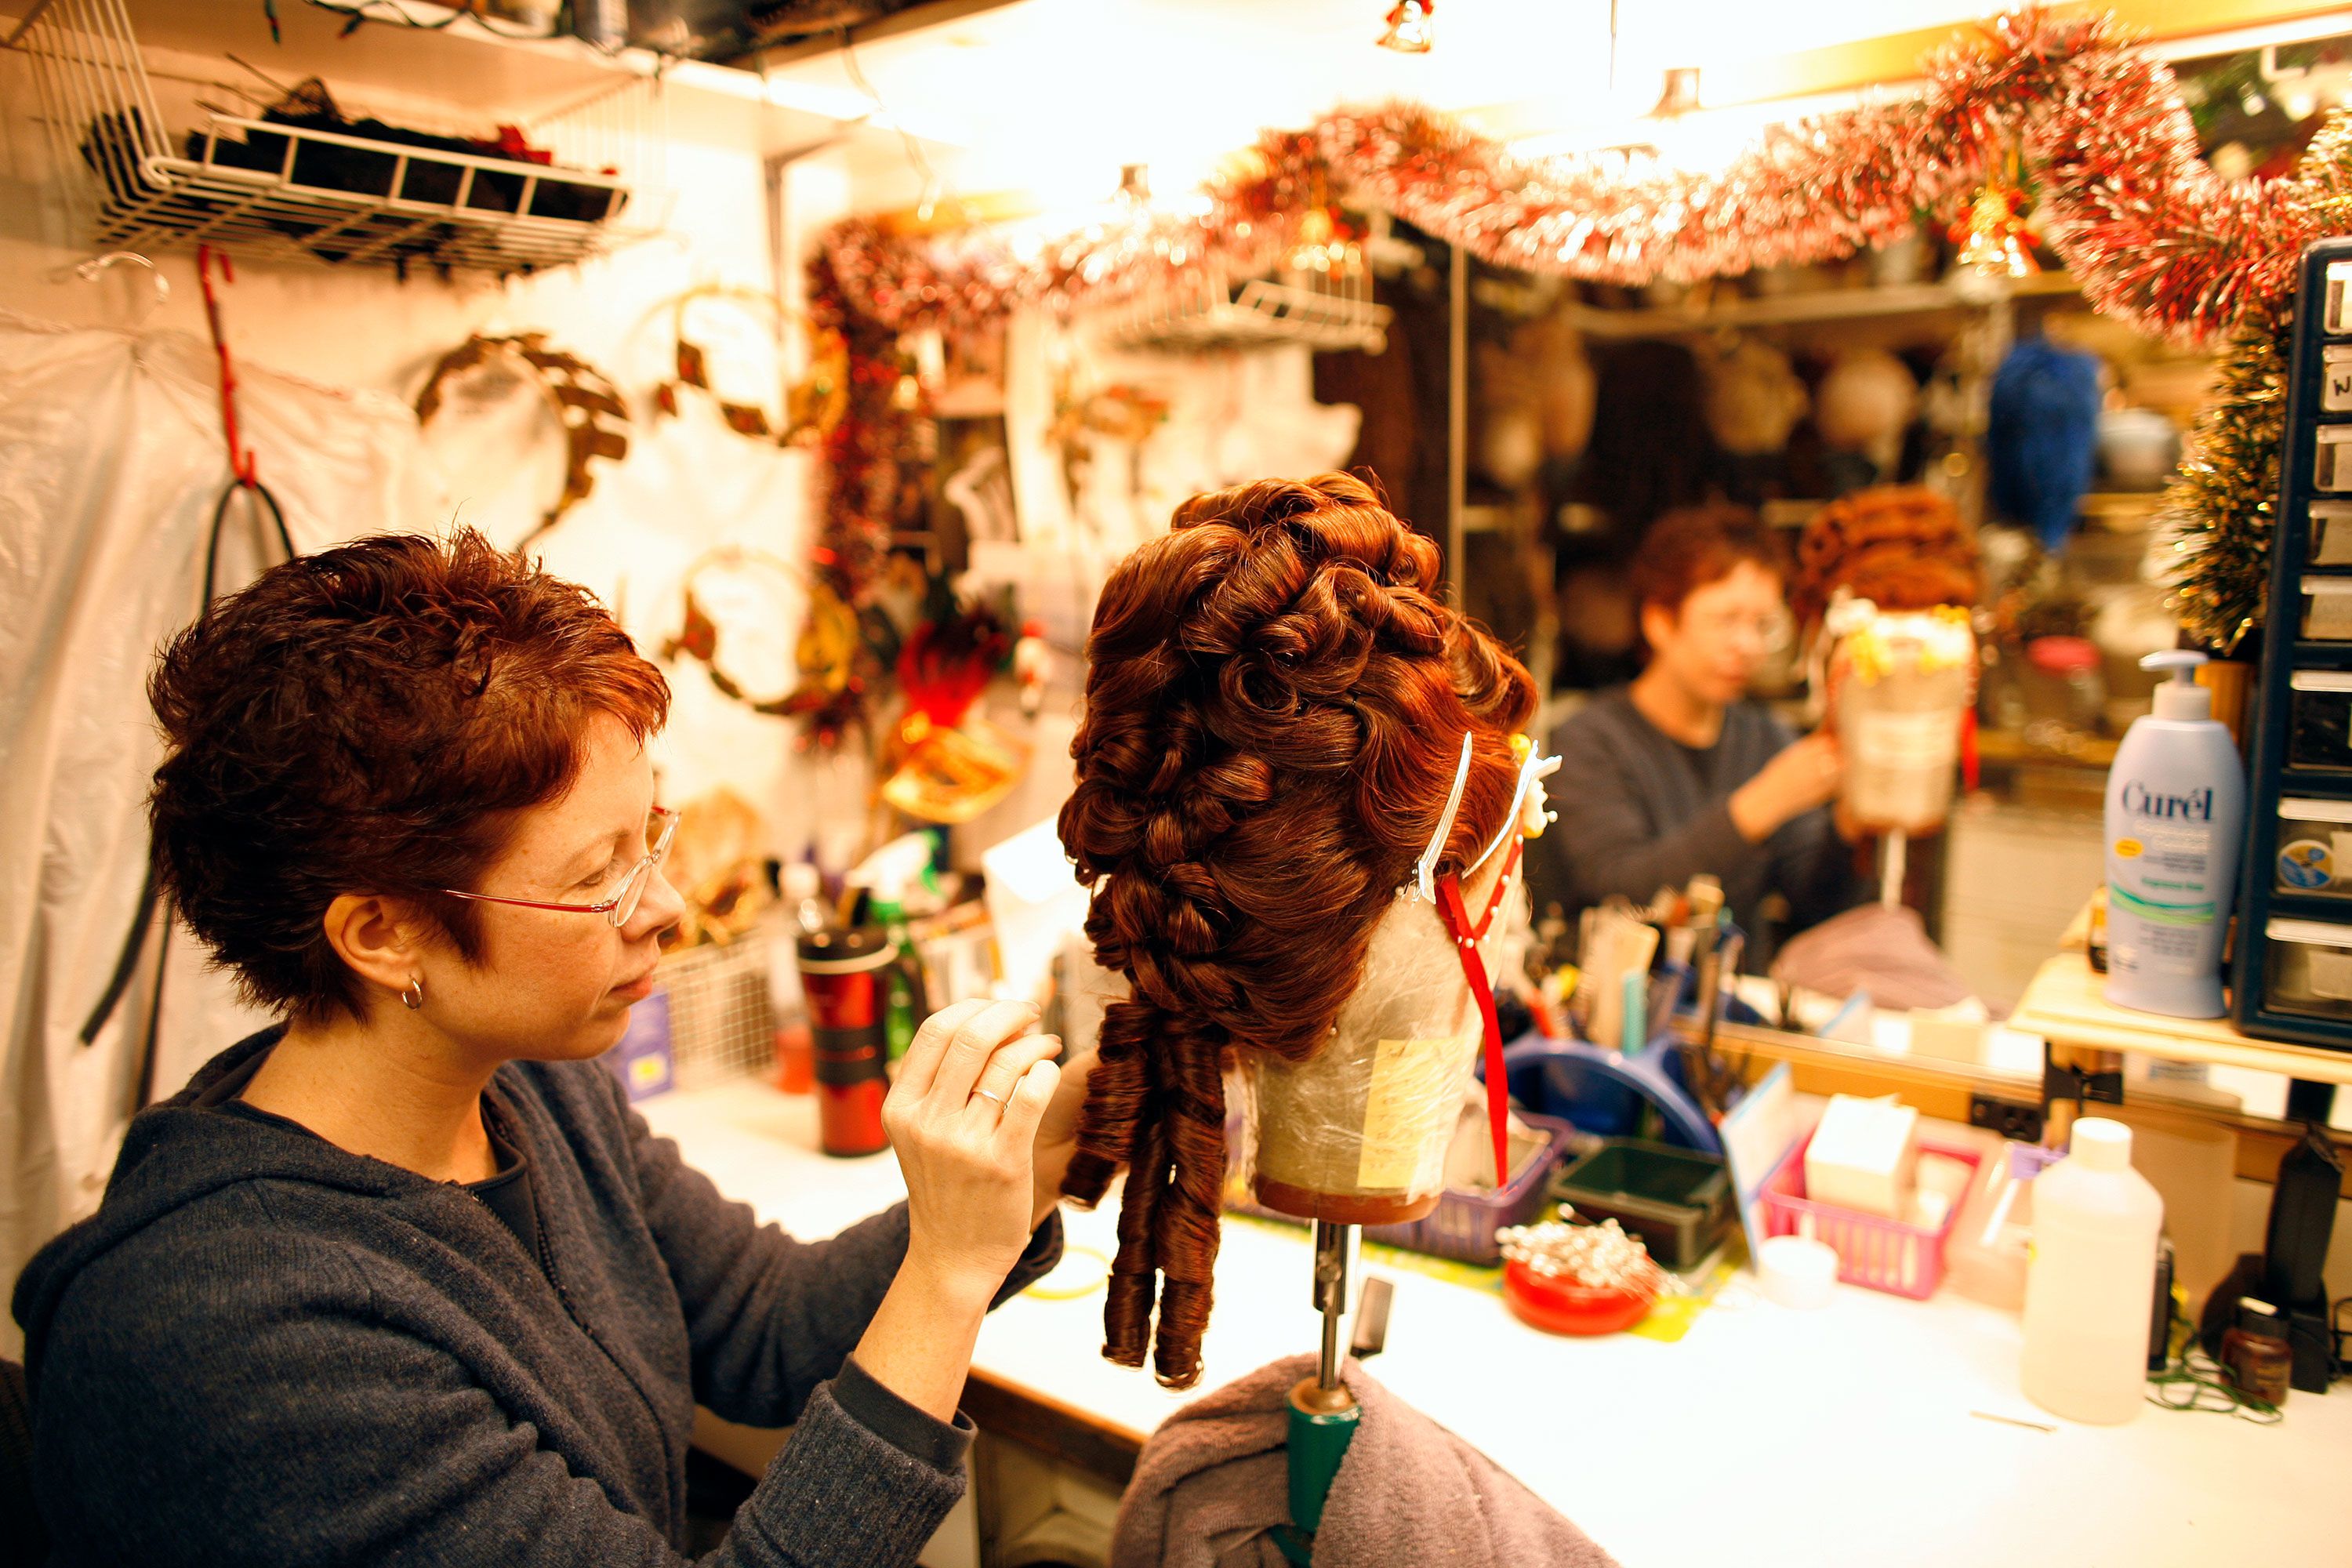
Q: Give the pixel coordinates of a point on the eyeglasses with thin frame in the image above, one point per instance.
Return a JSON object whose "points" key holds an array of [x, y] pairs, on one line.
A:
{"points": [[661, 826], [1772, 633]]}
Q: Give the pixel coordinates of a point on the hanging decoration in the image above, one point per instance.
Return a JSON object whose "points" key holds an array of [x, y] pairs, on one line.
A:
{"points": [[834, 657], [1408, 28], [746, 591], [595, 421], [2151, 233], [2225, 500], [866, 445], [693, 369], [944, 765], [812, 406], [1995, 238]]}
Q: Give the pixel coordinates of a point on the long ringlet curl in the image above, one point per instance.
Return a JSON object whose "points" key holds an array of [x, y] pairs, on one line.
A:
{"points": [[1276, 700]]}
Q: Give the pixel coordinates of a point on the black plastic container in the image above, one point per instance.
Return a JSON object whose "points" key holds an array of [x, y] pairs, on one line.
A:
{"points": [[1678, 1201]]}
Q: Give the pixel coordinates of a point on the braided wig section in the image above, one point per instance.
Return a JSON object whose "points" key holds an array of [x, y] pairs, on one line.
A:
{"points": [[1276, 702]]}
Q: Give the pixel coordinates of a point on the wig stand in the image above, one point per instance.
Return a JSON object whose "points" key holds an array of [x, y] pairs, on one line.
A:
{"points": [[1323, 1414], [1893, 855]]}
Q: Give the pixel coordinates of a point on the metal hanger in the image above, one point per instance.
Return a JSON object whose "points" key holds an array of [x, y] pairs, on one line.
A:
{"points": [[97, 266]]}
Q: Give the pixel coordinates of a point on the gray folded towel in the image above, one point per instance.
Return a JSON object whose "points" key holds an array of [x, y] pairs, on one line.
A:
{"points": [[1886, 952], [1212, 1483]]}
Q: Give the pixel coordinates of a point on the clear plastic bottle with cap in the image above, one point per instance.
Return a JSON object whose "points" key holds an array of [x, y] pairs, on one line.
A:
{"points": [[2176, 809], [2090, 1279]]}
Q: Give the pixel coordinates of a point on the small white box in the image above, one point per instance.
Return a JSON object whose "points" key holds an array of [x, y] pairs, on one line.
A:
{"points": [[1864, 1156]]}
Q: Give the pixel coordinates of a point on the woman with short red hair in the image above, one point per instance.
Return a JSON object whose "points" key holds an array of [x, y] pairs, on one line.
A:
{"points": [[1682, 773], [403, 1278]]}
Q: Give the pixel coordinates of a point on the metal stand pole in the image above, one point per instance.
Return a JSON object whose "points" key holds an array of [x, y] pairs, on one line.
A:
{"points": [[1323, 1414]]}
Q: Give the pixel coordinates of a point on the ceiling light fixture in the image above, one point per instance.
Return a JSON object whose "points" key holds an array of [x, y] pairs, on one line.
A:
{"points": [[1410, 30]]}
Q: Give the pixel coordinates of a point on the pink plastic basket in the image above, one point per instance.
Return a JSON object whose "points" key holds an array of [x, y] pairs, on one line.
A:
{"points": [[1887, 1254]]}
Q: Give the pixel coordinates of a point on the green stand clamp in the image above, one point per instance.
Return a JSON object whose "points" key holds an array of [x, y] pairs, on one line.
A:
{"points": [[1318, 1439]]}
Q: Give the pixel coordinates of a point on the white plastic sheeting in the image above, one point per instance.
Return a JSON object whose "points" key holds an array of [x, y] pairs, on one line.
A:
{"points": [[111, 464]]}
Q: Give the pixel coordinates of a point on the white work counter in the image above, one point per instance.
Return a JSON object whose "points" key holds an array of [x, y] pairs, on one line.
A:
{"points": [[1764, 1436]]}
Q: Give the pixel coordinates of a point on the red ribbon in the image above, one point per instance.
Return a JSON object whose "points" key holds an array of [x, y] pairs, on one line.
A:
{"points": [[1473, 968]]}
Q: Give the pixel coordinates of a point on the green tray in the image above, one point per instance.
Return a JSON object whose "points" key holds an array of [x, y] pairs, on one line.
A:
{"points": [[1677, 1201]]}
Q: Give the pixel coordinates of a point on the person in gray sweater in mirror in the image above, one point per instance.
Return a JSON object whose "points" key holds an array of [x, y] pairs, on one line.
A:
{"points": [[403, 1278], [1682, 773]]}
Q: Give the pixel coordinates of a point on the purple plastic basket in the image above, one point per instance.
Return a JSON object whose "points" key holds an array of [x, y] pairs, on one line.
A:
{"points": [[1463, 1225]]}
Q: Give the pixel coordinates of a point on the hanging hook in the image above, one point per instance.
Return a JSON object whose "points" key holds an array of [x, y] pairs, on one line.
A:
{"points": [[97, 266], [240, 459]]}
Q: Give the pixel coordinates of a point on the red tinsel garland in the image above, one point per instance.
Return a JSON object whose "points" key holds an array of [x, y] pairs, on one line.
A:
{"points": [[2150, 232], [862, 449]]}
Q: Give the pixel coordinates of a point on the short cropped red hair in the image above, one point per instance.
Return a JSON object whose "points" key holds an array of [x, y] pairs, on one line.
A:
{"points": [[1687, 550], [369, 719]]}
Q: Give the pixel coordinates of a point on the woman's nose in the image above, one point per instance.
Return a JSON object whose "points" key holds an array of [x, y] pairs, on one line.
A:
{"points": [[658, 910]]}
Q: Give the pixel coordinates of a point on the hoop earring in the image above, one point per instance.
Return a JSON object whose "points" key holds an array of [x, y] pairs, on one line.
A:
{"points": [[413, 997]]}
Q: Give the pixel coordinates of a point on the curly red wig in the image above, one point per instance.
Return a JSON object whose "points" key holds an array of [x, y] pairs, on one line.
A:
{"points": [[371, 718], [1275, 709], [1902, 547]]}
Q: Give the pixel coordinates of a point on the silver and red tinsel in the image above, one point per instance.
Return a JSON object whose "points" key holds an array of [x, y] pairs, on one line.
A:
{"points": [[2151, 234]]}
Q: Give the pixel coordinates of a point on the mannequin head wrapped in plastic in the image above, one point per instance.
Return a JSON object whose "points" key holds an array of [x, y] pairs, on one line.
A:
{"points": [[1275, 706]]}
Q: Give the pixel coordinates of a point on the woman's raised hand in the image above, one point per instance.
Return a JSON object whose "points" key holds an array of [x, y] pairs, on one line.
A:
{"points": [[964, 1118]]}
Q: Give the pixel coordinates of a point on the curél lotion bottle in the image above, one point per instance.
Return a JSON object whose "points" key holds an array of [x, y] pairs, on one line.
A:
{"points": [[2175, 813]]}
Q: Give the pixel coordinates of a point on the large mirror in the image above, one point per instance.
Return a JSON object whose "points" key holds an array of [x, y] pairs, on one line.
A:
{"points": [[2051, 430]]}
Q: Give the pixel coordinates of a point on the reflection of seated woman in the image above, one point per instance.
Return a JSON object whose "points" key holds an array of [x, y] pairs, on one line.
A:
{"points": [[1682, 773]]}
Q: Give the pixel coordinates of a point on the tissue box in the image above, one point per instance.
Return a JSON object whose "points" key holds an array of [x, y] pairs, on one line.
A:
{"points": [[1864, 1156]]}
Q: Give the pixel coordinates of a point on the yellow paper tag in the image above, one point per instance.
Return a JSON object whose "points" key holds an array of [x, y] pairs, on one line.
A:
{"points": [[1406, 1107]]}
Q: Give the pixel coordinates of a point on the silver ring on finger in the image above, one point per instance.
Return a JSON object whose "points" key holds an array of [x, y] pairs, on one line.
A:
{"points": [[997, 1100]]}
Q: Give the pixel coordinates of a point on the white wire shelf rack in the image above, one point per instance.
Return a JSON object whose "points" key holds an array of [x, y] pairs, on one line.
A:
{"points": [[281, 187], [1326, 309]]}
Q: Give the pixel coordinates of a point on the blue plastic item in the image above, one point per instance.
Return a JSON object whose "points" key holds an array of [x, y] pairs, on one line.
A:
{"points": [[2041, 435], [1602, 1092]]}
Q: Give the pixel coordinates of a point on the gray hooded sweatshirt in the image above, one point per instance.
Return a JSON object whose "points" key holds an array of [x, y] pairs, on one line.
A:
{"points": [[265, 1350]]}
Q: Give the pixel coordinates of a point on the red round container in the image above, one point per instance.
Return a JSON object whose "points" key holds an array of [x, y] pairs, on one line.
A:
{"points": [[840, 973], [1563, 1307]]}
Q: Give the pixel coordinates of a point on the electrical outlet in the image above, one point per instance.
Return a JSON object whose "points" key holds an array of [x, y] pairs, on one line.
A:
{"points": [[2017, 1120]]}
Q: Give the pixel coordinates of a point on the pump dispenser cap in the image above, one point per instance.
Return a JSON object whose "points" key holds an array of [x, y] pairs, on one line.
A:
{"points": [[2180, 698], [2101, 1145]]}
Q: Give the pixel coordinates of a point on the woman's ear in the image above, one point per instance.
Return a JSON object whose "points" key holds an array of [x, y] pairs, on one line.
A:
{"points": [[1658, 624], [378, 937]]}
